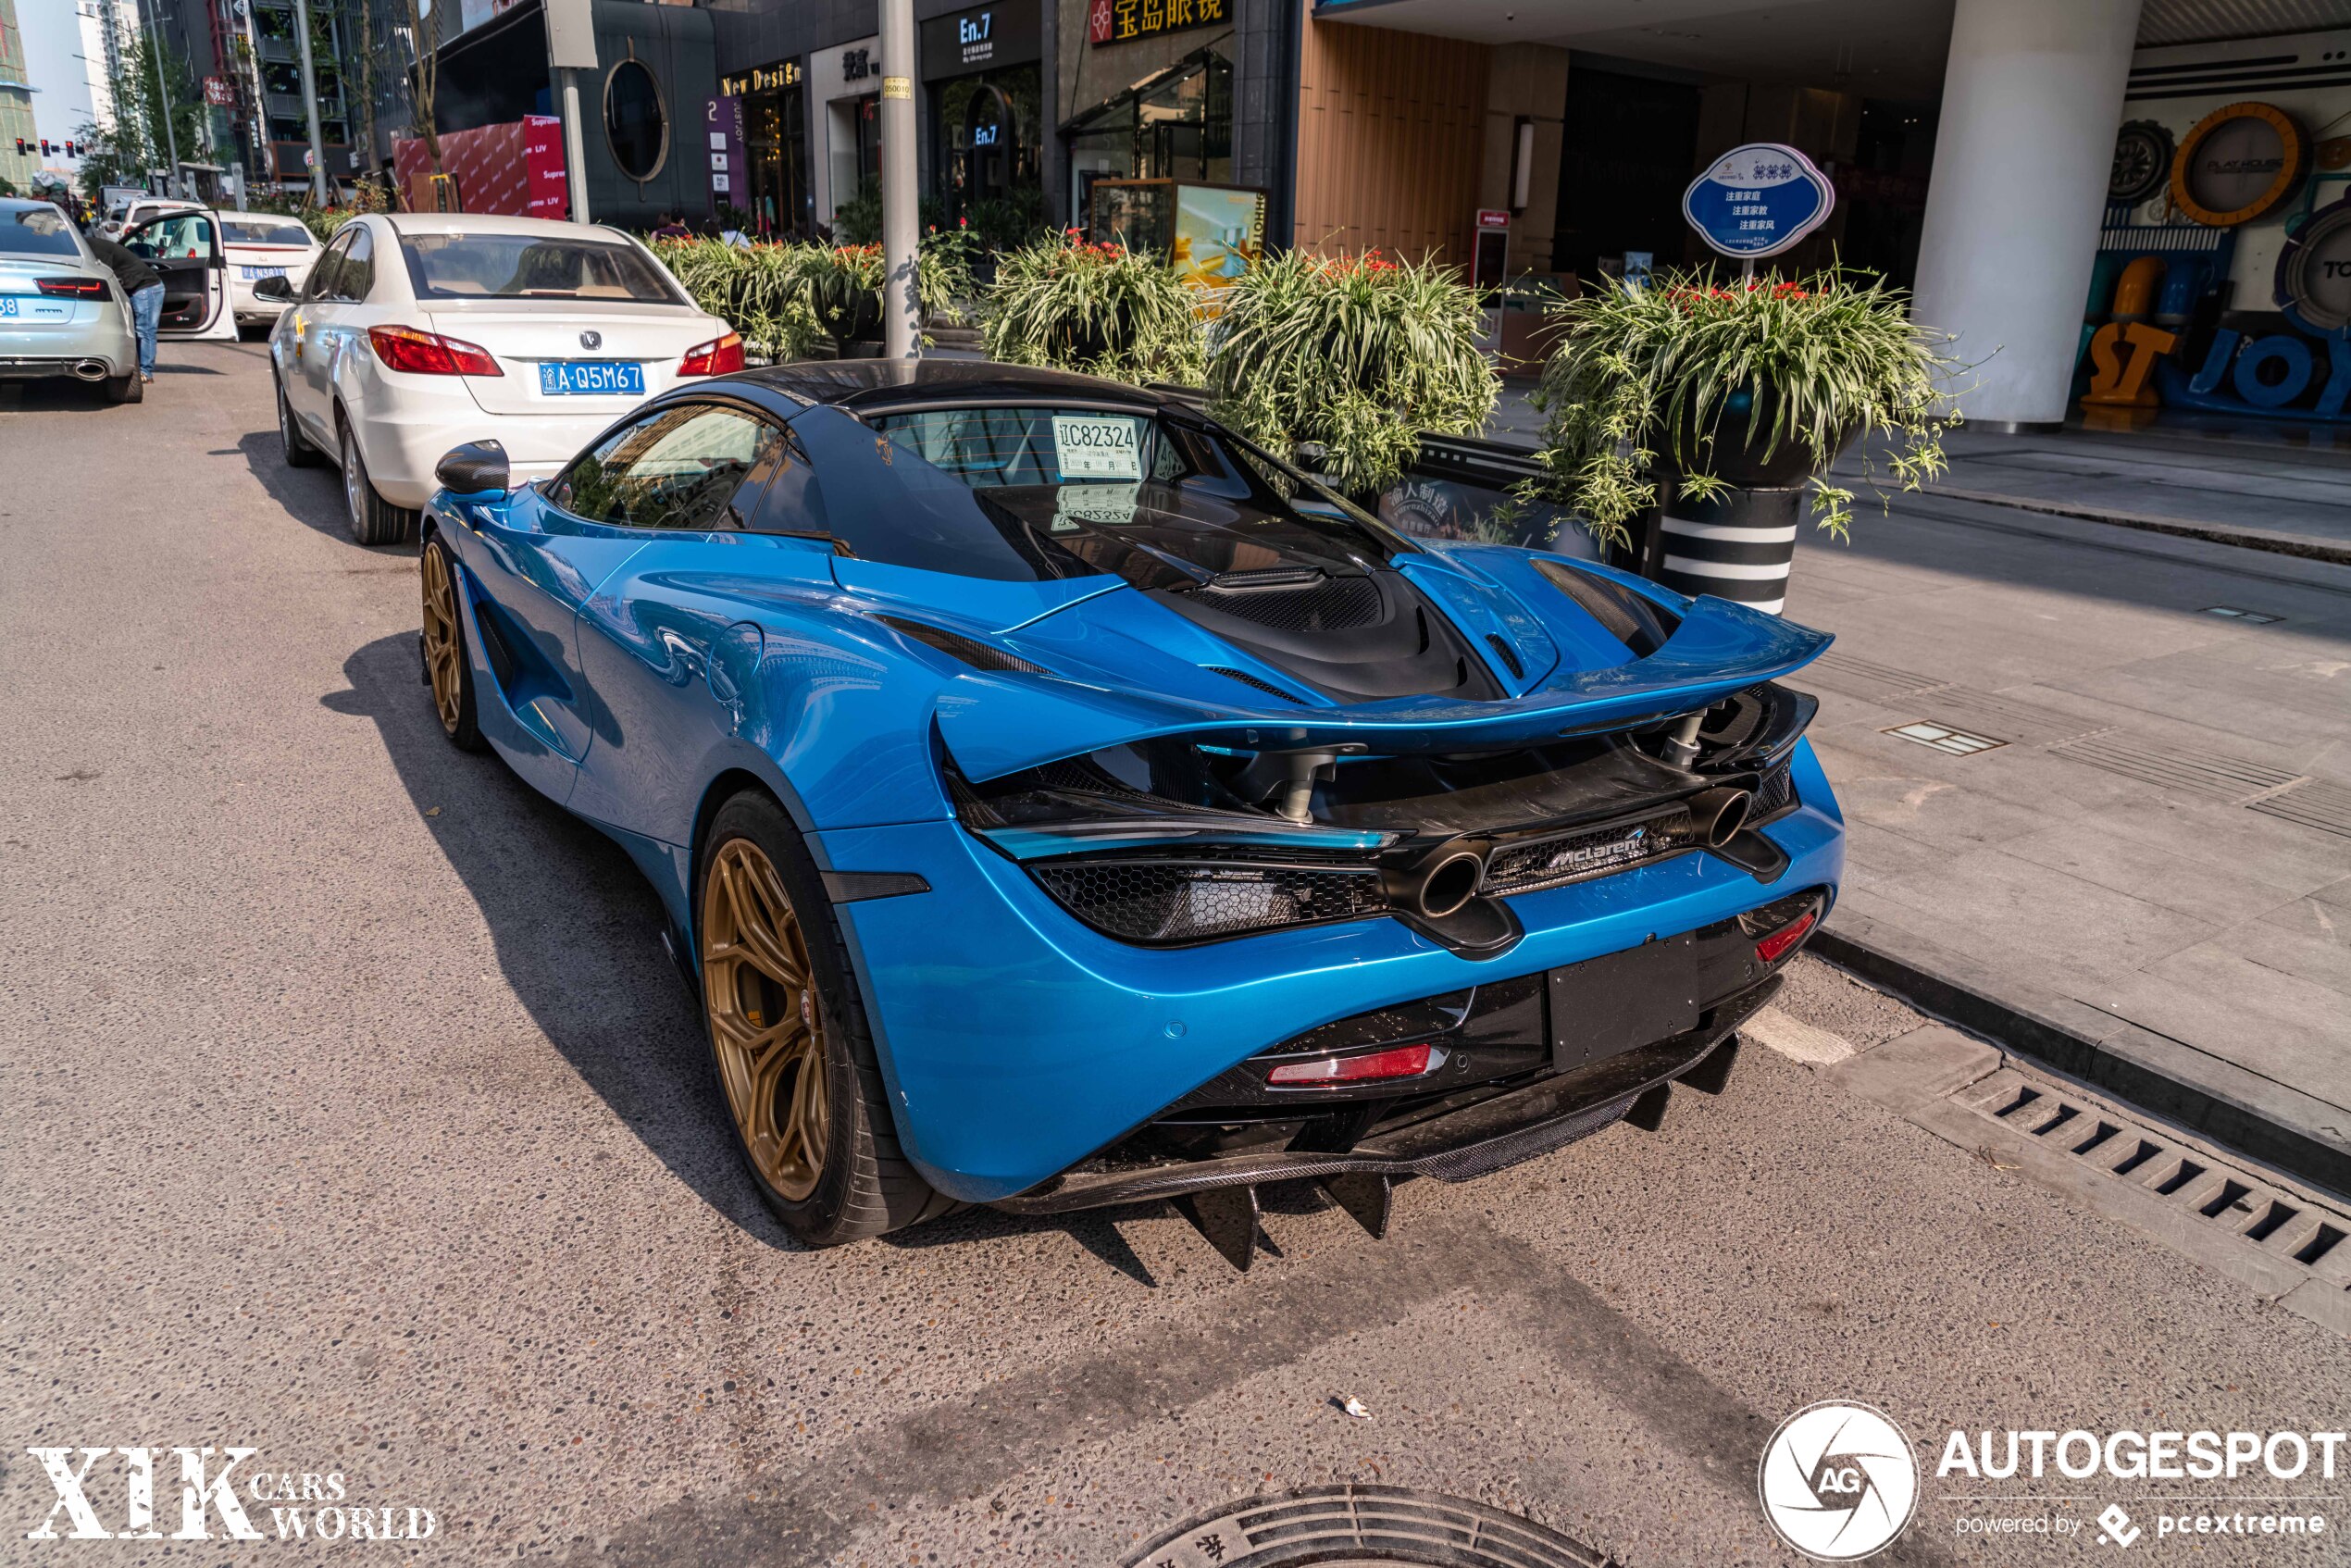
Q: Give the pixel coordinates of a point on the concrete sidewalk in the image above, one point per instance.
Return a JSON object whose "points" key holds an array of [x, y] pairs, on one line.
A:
{"points": [[2146, 877]]}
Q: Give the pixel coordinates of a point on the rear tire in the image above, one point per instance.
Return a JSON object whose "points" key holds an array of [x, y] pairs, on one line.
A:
{"points": [[836, 1175], [291, 443], [124, 389], [374, 520]]}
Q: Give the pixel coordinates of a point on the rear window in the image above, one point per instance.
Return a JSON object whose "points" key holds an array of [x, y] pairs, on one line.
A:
{"points": [[1162, 500], [41, 231], [263, 231], [456, 267]]}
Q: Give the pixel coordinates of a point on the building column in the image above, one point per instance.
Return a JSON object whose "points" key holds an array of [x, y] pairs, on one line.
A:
{"points": [[2031, 99]]}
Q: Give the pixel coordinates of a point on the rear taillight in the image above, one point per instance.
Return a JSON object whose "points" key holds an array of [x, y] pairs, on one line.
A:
{"points": [[1397, 1062], [429, 354], [720, 357], [1773, 948], [72, 288]]}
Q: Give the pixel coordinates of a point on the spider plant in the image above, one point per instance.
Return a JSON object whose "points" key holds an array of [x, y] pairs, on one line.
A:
{"points": [[1355, 355], [758, 291], [1752, 382], [1098, 308]]}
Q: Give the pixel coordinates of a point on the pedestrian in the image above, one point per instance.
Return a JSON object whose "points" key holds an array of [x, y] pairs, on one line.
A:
{"points": [[144, 285], [671, 229]]}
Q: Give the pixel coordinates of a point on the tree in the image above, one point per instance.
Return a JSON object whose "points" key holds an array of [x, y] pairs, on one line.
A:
{"points": [[424, 41], [122, 153]]}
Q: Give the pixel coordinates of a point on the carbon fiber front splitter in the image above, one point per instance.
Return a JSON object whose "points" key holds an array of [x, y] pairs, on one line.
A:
{"points": [[1476, 1138]]}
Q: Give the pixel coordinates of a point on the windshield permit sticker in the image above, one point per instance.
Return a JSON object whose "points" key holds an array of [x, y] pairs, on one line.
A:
{"points": [[1096, 446], [1075, 506]]}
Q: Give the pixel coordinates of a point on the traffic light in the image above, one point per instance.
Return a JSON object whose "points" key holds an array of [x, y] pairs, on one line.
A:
{"points": [[19, 147], [44, 146], [72, 151]]}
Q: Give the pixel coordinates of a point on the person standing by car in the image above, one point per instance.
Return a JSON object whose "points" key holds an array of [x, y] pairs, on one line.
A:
{"points": [[144, 285]]}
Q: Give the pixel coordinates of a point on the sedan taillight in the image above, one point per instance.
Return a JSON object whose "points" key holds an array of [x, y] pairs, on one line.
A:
{"points": [[72, 288], [429, 354], [720, 357]]}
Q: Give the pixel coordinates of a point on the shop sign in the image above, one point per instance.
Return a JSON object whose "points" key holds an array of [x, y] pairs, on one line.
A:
{"points": [[221, 92], [1757, 200], [761, 78], [723, 130], [1120, 21], [857, 64], [1493, 218], [980, 39]]}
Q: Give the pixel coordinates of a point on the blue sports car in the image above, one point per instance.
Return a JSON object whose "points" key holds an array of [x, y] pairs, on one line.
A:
{"points": [[1057, 801]]}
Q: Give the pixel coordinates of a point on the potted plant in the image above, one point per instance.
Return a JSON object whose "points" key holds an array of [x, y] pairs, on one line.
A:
{"points": [[1348, 360], [844, 285], [758, 289], [1734, 398], [1071, 305]]}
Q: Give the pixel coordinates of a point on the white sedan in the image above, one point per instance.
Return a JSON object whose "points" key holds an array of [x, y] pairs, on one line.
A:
{"points": [[420, 331], [265, 244]]}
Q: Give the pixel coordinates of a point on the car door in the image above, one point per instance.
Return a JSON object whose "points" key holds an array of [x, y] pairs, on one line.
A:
{"points": [[338, 327], [303, 375], [665, 644], [185, 248]]}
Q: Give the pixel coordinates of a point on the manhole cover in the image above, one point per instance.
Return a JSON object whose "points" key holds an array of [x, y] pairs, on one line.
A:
{"points": [[1360, 1527]]}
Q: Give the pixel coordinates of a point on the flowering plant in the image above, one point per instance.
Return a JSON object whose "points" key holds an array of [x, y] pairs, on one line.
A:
{"points": [[1356, 353], [1762, 381], [1078, 304]]}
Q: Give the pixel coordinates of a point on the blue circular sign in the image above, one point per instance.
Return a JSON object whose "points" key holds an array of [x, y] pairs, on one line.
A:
{"points": [[1757, 200]]}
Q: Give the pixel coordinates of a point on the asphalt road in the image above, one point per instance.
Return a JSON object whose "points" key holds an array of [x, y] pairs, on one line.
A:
{"points": [[349, 1112]]}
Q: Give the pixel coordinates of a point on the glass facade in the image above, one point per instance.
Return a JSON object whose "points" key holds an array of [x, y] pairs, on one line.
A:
{"points": [[1178, 125], [776, 141], [985, 147]]}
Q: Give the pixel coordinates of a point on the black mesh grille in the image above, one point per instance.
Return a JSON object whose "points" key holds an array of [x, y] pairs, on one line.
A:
{"points": [[979, 655], [1338, 603], [1554, 863], [1508, 655], [1178, 901], [1774, 794], [1248, 680]]}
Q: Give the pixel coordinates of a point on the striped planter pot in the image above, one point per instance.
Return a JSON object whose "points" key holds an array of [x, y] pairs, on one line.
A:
{"points": [[1736, 545]]}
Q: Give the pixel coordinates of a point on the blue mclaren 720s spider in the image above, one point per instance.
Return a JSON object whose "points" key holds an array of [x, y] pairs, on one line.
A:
{"points": [[1057, 801]]}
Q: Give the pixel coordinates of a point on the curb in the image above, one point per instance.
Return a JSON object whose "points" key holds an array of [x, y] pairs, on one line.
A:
{"points": [[1951, 988], [2298, 545]]}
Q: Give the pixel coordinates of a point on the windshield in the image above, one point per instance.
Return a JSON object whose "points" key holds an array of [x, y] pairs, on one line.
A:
{"points": [[456, 267], [41, 231], [1160, 500], [264, 231]]}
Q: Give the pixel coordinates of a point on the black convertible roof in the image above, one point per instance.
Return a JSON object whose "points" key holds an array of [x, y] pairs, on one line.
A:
{"points": [[911, 383]]}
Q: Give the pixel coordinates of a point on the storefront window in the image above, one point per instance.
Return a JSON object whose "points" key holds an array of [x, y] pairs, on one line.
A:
{"points": [[986, 164], [1178, 125], [634, 121], [776, 134]]}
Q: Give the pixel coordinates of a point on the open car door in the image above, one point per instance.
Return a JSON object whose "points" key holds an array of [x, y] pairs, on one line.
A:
{"points": [[185, 247]]}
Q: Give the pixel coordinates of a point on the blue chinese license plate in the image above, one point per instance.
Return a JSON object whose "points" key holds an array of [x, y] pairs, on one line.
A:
{"points": [[590, 378], [8, 304], [253, 274]]}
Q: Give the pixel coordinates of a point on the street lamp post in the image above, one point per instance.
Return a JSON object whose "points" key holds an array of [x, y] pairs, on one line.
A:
{"points": [[571, 48], [901, 212], [310, 103], [163, 96]]}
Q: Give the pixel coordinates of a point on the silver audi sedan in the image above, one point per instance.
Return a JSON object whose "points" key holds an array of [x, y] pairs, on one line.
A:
{"points": [[61, 311]]}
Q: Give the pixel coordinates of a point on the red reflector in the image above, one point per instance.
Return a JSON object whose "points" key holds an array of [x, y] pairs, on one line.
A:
{"points": [[429, 354], [720, 357], [1397, 1062], [1773, 948], [72, 288]]}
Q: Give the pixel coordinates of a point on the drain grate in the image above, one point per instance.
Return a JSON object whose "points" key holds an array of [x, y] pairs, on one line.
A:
{"points": [[2287, 1226], [2208, 774], [1365, 1525], [1942, 738], [2252, 618], [2314, 803], [1866, 677], [2009, 718]]}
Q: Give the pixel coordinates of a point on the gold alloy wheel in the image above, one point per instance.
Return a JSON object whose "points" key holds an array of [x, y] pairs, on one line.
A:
{"points": [[441, 638], [765, 1022]]}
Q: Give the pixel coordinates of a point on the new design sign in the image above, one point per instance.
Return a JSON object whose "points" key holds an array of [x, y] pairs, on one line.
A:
{"points": [[1757, 200]]}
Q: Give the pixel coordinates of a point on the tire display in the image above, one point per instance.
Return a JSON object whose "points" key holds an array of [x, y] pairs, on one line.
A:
{"points": [[2142, 163]]}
